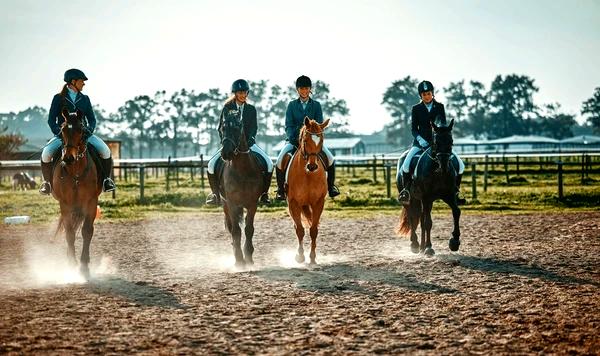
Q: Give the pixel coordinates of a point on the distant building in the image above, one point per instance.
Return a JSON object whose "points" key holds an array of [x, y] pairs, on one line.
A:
{"points": [[338, 146]]}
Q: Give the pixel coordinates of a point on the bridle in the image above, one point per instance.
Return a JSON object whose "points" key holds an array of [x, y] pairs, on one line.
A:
{"points": [[231, 124], [303, 152], [81, 153]]}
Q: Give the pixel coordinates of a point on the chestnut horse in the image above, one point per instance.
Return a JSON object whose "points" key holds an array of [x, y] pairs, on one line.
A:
{"points": [[76, 186], [307, 185], [242, 185]]}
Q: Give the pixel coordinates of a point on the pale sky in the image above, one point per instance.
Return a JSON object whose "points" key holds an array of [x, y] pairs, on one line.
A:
{"points": [[129, 48]]}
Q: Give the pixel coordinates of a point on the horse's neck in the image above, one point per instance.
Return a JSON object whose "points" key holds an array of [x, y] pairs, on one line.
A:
{"points": [[243, 161], [79, 167]]}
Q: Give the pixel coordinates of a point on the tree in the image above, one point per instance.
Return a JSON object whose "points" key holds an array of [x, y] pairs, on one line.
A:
{"points": [[553, 123], [457, 106], [511, 105], [398, 100], [333, 108], [137, 112], [210, 114], [591, 107], [9, 143]]}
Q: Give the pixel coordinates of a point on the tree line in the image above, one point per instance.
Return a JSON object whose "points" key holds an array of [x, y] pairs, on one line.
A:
{"points": [[164, 123]]}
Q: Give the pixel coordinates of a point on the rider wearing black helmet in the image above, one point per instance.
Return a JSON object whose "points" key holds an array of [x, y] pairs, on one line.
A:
{"points": [[297, 110], [422, 115], [71, 98], [247, 113]]}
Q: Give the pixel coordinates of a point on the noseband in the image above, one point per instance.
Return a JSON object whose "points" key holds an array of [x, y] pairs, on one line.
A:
{"points": [[306, 155]]}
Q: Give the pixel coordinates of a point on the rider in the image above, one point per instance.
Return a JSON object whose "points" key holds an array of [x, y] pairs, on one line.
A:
{"points": [[297, 110], [240, 89], [423, 114], [72, 99]]}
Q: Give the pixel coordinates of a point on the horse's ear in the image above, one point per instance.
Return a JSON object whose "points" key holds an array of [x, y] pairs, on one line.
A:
{"points": [[451, 124], [306, 121], [324, 124]]}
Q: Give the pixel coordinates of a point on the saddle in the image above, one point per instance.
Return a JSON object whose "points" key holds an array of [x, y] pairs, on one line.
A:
{"points": [[417, 159], [220, 166], [322, 157], [93, 154]]}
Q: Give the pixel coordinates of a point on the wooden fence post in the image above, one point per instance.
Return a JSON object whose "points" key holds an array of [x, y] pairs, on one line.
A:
{"points": [[560, 180], [388, 178], [168, 172], [202, 172], [485, 174], [142, 175], [374, 169], [473, 181], [506, 169]]}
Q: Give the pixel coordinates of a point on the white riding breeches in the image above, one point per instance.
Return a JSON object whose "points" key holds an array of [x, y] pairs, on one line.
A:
{"points": [[55, 144], [212, 163], [288, 148]]}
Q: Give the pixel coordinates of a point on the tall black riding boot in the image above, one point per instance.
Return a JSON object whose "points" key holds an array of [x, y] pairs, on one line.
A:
{"points": [[333, 190], [404, 196], [107, 184], [264, 198], [459, 199], [46, 187], [280, 175], [213, 198]]}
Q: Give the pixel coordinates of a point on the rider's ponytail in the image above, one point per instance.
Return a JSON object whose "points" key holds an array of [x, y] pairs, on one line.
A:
{"points": [[63, 92], [230, 100]]}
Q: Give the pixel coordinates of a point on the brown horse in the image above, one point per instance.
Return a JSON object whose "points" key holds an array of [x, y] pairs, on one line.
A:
{"points": [[76, 186], [307, 185], [242, 185]]}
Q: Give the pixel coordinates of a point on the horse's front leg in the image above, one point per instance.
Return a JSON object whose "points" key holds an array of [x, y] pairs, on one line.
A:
{"points": [[236, 235], [317, 210], [454, 241], [427, 224], [68, 225], [296, 214], [87, 231], [249, 232], [414, 214]]}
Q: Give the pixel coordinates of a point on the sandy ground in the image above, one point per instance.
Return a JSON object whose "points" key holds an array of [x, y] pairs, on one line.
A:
{"points": [[519, 284]]}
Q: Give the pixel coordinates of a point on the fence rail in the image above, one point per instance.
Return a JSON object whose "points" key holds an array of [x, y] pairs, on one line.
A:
{"points": [[486, 164]]}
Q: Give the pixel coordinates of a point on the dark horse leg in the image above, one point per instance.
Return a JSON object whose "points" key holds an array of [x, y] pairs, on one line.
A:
{"points": [[249, 232], [454, 242], [232, 220], [427, 224], [317, 210], [87, 231], [69, 226], [414, 214]]}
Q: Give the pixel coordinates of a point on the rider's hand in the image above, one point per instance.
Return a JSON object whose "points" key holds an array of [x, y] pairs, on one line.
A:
{"points": [[424, 144]]}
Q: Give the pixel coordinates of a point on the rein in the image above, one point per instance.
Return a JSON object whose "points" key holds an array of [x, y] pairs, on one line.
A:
{"points": [[306, 155]]}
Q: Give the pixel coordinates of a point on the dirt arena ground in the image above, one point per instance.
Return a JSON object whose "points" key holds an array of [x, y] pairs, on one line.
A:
{"points": [[519, 284]]}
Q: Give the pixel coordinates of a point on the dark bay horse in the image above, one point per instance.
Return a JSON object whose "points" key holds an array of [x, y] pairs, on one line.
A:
{"points": [[242, 185], [435, 179], [307, 185], [76, 187]]}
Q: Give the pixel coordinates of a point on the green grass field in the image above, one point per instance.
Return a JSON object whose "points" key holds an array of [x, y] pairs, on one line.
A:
{"points": [[360, 196]]}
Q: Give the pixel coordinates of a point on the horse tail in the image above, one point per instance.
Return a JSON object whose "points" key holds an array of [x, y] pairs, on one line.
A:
{"points": [[75, 221], [403, 227], [307, 215]]}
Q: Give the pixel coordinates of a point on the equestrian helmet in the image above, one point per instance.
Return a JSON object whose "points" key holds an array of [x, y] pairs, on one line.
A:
{"points": [[303, 82], [425, 86], [240, 85], [74, 74]]}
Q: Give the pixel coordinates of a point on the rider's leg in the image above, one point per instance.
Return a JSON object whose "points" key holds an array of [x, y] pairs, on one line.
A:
{"points": [[108, 185], [214, 198], [47, 153], [331, 188], [280, 170], [461, 170], [267, 175], [404, 196]]}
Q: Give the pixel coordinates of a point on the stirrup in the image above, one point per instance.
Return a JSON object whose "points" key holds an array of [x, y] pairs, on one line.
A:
{"points": [[280, 196], [108, 185], [264, 198], [404, 197], [213, 199], [46, 188], [460, 200]]}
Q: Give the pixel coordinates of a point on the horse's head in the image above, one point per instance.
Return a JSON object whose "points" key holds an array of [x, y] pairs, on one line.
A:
{"points": [[442, 143], [73, 136], [311, 142], [234, 138]]}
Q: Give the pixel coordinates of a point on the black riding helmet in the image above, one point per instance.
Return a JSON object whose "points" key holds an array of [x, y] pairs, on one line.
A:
{"points": [[303, 81], [240, 85], [74, 74], [425, 86]]}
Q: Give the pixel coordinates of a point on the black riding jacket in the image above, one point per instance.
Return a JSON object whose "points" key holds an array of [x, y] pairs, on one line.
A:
{"points": [[248, 119], [422, 119]]}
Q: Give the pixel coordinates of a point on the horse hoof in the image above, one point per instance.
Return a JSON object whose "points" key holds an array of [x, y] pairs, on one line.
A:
{"points": [[453, 243], [414, 248], [85, 272], [300, 258], [240, 264], [429, 252], [313, 263], [249, 261]]}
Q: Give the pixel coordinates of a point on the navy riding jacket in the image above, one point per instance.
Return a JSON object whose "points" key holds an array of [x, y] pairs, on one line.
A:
{"points": [[82, 102], [248, 119], [421, 120], [295, 114]]}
